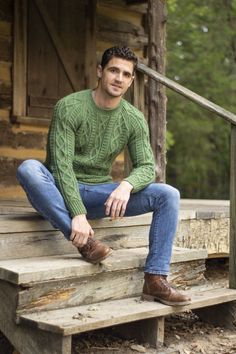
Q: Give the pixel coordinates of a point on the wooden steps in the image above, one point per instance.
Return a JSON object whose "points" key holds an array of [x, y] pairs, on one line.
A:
{"points": [[86, 318], [53, 282], [48, 293], [37, 237]]}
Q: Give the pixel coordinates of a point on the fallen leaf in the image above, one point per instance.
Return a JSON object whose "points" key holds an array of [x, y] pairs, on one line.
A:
{"points": [[138, 348]]}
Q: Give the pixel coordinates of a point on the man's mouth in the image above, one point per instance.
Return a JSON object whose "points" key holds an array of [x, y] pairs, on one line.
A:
{"points": [[118, 86]]}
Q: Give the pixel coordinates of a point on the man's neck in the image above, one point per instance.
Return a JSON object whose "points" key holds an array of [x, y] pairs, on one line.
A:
{"points": [[105, 101]]}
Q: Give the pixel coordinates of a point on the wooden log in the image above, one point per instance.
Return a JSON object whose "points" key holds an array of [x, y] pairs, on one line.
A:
{"points": [[141, 7], [5, 28], [5, 71], [109, 24], [156, 91], [6, 48], [129, 39], [232, 254]]}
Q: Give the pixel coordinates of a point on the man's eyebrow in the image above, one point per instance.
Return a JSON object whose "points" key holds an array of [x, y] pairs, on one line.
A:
{"points": [[116, 68]]}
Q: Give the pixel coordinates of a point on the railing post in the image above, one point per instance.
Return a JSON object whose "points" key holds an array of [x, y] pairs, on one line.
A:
{"points": [[232, 252], [156, 91]]}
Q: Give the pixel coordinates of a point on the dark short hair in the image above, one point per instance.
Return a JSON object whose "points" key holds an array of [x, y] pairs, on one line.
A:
{"points": [[118, 52]]}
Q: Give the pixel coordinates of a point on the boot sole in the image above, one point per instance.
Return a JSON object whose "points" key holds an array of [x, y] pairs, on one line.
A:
{"points": [[165, 302], [96, 261]]}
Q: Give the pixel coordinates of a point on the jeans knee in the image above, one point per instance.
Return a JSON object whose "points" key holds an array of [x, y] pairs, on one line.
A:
{"points": [[27, 169], [172, 194]]}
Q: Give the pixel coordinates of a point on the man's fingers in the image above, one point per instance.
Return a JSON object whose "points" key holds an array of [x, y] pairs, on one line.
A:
{"points": [[114, 208], [80, 240], [118, 209], [108, 205], [123, 209], [72, 236]]}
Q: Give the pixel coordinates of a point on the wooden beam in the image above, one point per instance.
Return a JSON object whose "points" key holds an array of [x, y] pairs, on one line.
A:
{"points": [[90, 44], [201, 101], [232, 253], [156, 91], [20, 58], [58, 45], [139, 92]]}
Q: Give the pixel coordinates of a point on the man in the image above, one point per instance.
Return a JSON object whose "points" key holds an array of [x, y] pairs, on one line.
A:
{"points": [[88, 130]]}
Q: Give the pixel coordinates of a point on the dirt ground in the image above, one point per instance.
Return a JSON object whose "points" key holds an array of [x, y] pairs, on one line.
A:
{"points": [[184, 334]]}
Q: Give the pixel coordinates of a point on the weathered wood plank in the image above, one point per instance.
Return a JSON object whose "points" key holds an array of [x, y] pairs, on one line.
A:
{"points": [[79, 290], [232, 253], [31, 270], [87, 289], [58, 45], [20, 55], [82, 318], [25, 339]]}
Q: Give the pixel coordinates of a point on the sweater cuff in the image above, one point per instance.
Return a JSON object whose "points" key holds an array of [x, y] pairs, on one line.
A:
{"points": [[77, 208], [134, 182]]}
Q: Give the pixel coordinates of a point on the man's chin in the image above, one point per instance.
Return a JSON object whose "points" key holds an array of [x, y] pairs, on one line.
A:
{"points": [[115, 94]]}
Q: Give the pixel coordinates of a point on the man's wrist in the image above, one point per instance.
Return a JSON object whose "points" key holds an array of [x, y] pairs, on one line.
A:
{"points": [[80, 216], [127, 185]]}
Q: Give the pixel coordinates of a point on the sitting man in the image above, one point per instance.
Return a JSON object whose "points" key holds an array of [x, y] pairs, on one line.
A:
{"points": [[88, 131]]}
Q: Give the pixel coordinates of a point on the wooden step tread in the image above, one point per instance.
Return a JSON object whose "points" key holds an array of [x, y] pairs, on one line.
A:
{"points": [[26, 221], [39, 269], [89, 317]]}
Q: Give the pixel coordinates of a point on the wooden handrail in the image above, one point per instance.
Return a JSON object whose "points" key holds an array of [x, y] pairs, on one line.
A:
{"points": [[230, 117], [210, 106]]}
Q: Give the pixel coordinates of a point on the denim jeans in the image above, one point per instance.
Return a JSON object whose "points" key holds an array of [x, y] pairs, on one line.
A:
{"points": [[159, 198]]}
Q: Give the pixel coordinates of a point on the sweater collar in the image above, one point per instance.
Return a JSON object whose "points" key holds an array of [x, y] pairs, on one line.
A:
{"points": [[102, 110]]}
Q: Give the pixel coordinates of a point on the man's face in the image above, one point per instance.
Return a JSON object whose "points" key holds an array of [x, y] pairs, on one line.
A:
{"points": [[116, 77]]}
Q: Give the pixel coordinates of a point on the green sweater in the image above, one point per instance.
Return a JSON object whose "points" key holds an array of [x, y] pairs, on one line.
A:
{"points": [[84, 140]]}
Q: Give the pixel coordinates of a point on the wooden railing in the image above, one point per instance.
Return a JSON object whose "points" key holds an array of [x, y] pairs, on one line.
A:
{"points": [[229, 117]]}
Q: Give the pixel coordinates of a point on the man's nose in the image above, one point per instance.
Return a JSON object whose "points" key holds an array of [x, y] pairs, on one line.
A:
{"points": [[119, 77]]}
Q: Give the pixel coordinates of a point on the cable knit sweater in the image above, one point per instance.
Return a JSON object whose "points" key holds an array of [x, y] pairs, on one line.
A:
{"points": [[84, 140]]}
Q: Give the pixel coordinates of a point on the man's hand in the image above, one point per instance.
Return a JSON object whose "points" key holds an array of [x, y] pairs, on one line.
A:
{"points": [[80, 230], [117, 202]]}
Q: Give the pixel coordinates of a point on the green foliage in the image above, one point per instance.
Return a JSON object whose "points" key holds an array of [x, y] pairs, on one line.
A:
{"points": [[201, 55]]}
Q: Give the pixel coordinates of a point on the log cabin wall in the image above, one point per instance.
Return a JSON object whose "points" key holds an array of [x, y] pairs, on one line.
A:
{"points": [[117, 24]]}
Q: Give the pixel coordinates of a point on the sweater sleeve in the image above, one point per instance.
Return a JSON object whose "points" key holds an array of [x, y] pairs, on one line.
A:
{"points": [[61, 147], [143, 171]]}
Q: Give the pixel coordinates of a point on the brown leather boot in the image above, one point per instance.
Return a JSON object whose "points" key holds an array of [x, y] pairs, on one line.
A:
{"points": [[156, 287], [94, 251]]}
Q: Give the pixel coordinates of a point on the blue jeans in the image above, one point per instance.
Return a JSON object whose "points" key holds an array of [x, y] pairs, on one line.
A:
{"points": [[161, 199]]}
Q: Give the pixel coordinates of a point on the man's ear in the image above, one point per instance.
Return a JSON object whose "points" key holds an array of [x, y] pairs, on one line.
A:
{"points": [[132, 80], [99, 71]]}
